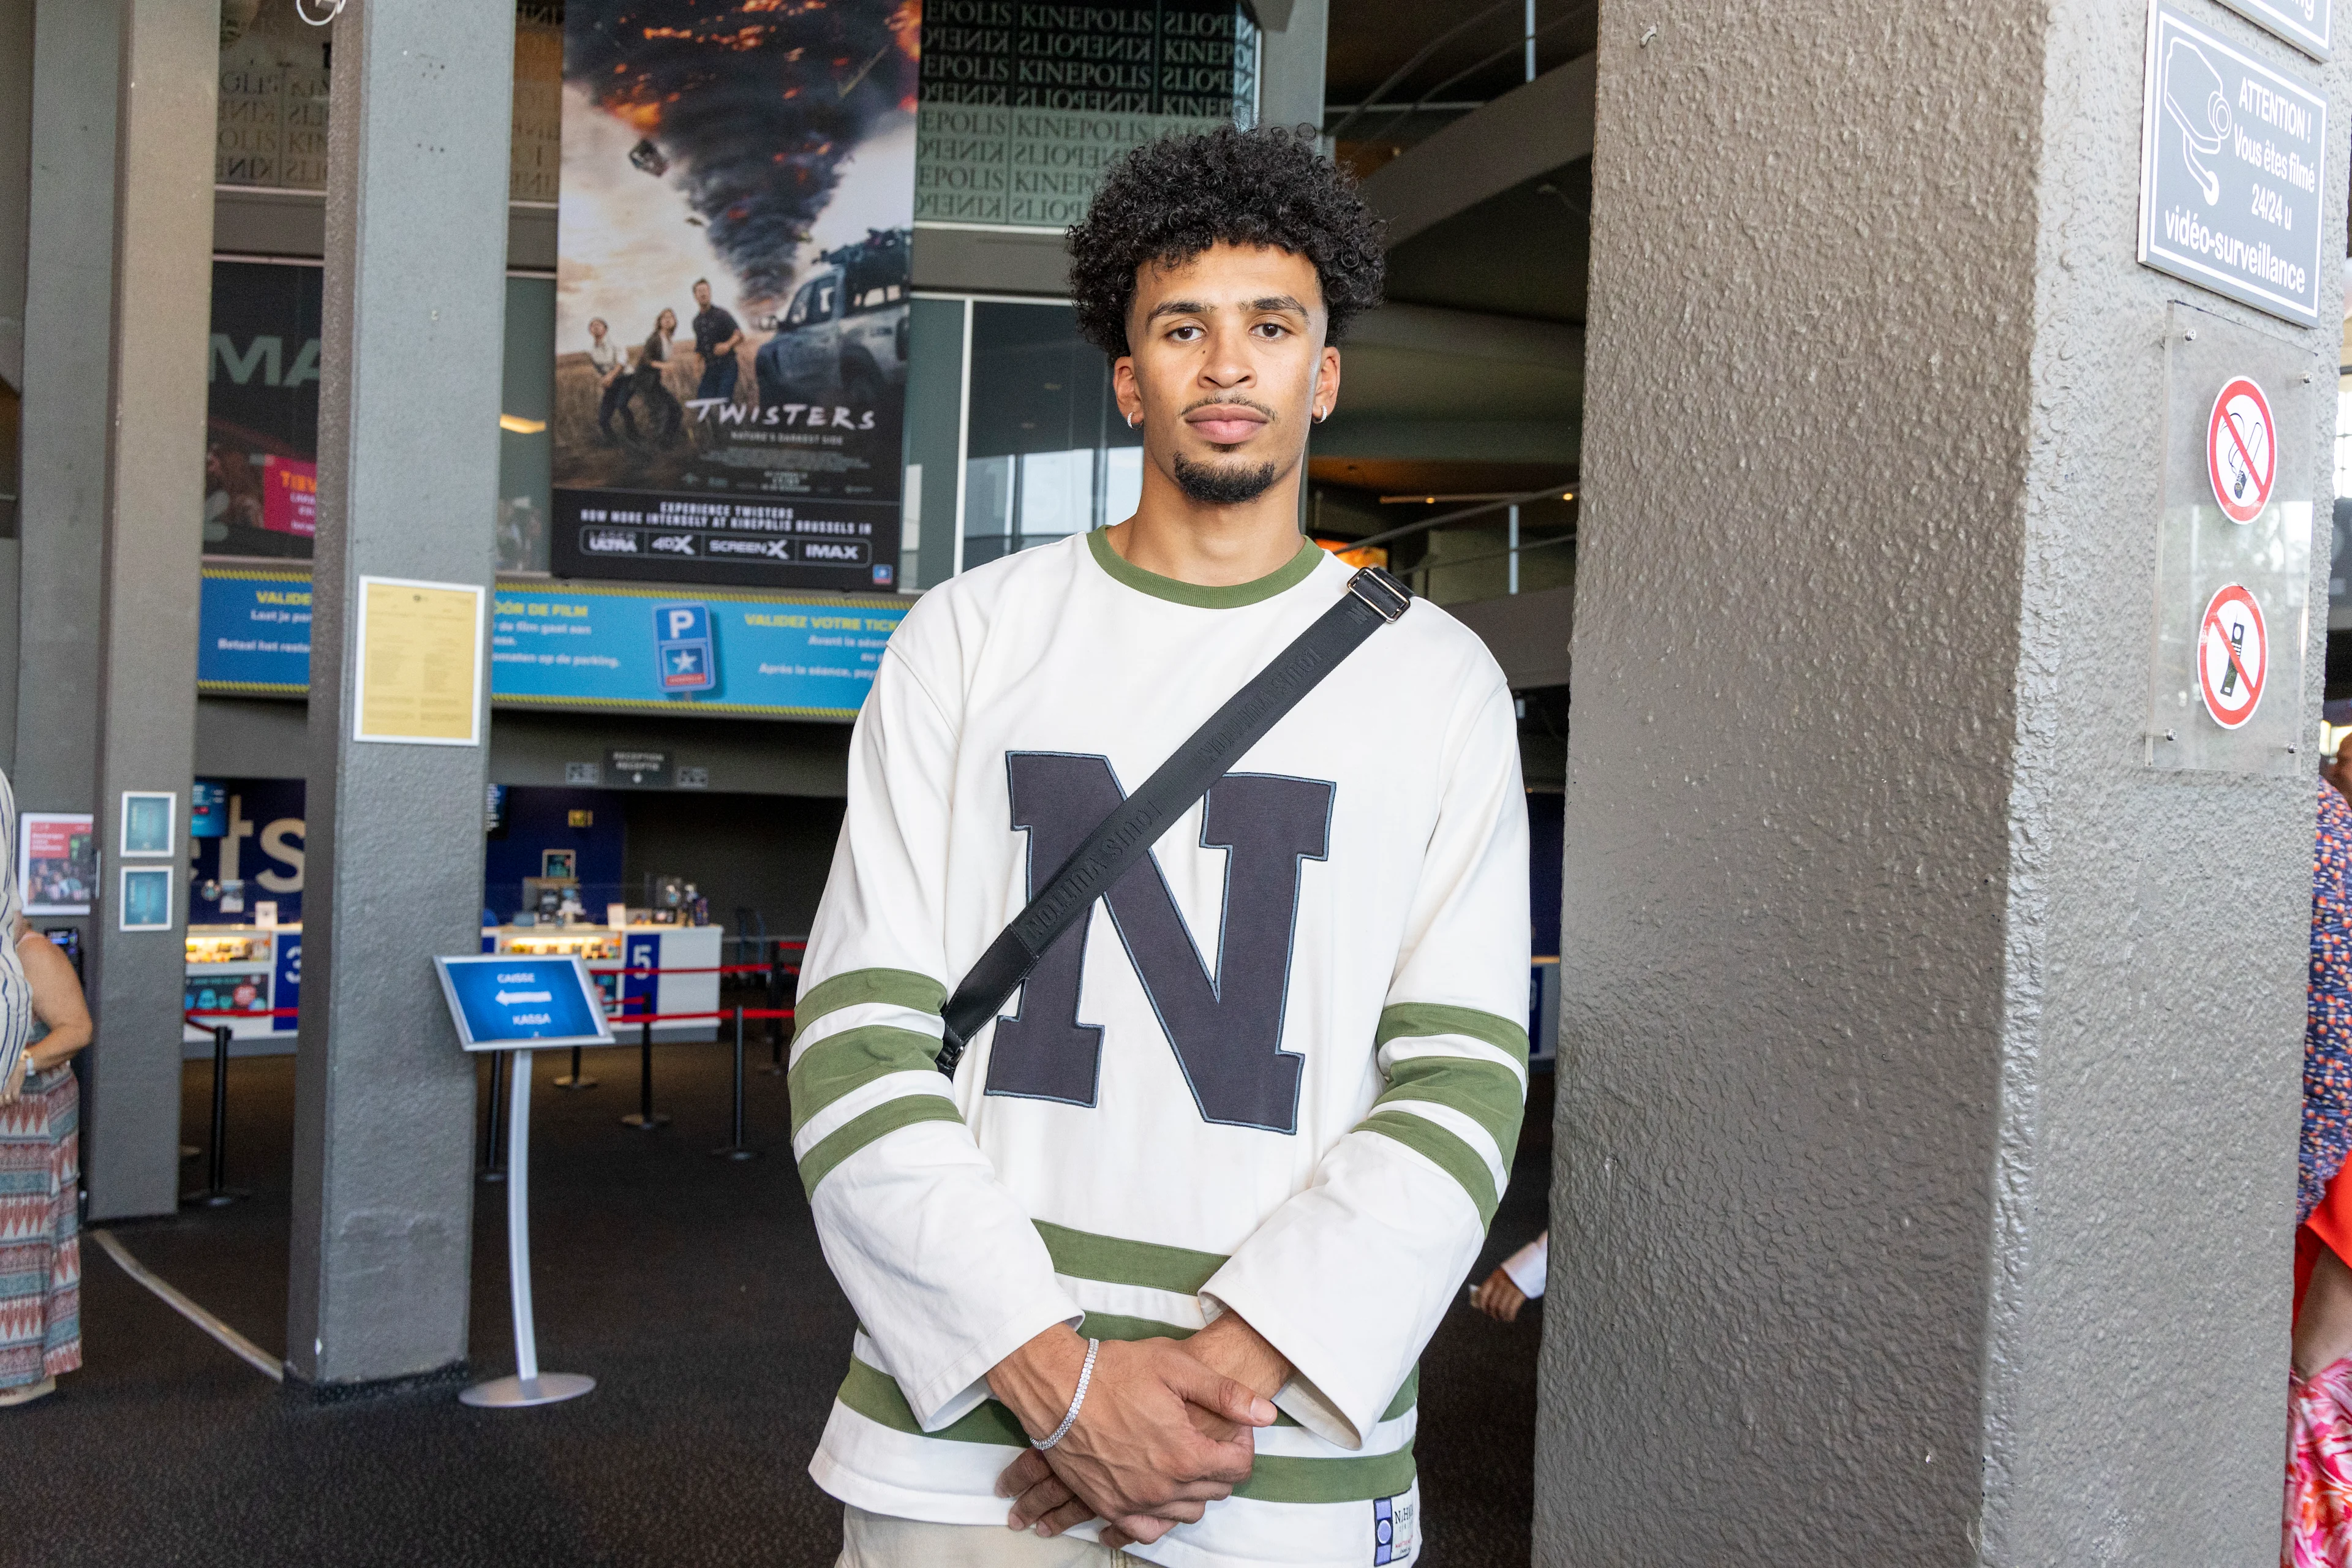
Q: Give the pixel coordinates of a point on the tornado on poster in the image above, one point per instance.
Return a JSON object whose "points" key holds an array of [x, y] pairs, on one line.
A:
{"points": [[731, 290]]}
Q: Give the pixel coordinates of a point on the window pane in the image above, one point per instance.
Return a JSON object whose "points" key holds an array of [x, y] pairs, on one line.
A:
{"points": [[1040, 408]]}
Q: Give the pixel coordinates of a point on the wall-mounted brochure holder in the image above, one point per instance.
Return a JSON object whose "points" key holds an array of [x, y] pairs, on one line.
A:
{"points": [[2233, 552]]}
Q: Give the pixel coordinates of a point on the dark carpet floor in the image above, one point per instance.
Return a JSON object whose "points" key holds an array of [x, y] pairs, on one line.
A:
{"points": [[691, 1287]]}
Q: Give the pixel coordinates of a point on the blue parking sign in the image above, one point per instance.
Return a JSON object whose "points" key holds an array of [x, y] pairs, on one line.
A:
{"points": [[684, 654]]}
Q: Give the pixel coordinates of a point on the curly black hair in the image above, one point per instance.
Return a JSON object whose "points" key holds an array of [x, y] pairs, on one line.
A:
{"points": [[1169, 200]]}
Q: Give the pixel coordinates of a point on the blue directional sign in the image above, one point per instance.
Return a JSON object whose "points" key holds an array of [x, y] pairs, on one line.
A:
{"points": [[683, 649], [500, 1000]]}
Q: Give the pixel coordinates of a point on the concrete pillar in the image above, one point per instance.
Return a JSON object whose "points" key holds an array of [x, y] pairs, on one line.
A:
{"points": [[147, 636], [1291, 48], [120, 228], [1929, 1065], [16, 181], [408, 466], [69, 343]]}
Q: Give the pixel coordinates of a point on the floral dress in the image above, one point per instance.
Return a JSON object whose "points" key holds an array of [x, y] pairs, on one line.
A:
{"points": [[2317, 1531]]}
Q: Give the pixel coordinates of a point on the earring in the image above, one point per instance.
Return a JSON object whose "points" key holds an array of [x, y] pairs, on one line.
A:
{"points": [[1133, 420], [1321, 415]]}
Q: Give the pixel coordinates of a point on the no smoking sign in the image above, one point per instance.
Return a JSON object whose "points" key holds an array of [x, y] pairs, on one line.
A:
{"points": [[2233, 657], [2241, 454]]}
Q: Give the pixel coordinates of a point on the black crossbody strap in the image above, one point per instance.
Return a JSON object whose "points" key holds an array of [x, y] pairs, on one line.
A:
{"points": [[1373, 599]]}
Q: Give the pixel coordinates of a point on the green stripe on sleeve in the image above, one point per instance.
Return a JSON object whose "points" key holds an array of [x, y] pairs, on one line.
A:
{"points": [[1119, 1326], [1407, 1396], [1418, 1019], [1114, 1261], [864, 1128], [874, 1393], [1442, 1149], [1276, 1478], [901, 987], [851, 1060], [1486, 1092]]}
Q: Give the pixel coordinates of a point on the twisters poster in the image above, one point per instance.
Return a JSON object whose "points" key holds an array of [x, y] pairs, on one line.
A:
{"points": [[731, 293]]}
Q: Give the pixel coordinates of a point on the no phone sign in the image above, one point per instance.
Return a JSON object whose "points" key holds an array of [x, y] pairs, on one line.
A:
{"points": [[2233, 657], [2242, 450]]}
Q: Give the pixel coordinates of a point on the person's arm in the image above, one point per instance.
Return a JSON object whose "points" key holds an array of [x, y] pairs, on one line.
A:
{"points": [[1347, 1280], [947, 1274], [954, 1291], [56, 999], [1519, 1280]]}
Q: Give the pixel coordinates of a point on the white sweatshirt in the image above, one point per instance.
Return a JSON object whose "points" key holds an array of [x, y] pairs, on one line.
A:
{"points": [[1279, 1071]]}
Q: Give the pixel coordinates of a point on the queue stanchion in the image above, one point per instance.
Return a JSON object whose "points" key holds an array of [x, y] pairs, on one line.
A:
{"points": [[775, 1067], [572, 1078], [644, 1119], [217, 1193], [736, 1149]]}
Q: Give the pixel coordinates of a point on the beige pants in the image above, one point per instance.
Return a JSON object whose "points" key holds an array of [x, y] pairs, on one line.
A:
{"points": [[878, 1541]]}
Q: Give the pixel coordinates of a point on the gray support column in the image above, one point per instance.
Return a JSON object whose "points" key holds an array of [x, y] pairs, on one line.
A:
{"points": [[408, 464], [15, 183], [1290, 62], [147, 632], [69, 346], [1929, 1067]]}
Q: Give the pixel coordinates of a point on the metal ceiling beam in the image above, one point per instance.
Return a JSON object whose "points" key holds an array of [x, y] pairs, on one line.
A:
{"points": [[1527, 131]]}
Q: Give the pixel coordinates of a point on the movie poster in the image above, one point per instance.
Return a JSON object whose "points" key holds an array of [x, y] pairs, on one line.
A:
{"points": [[732, 290]]}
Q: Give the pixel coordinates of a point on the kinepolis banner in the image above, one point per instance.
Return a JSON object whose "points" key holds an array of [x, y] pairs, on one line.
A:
{"points": [[731, 290]]}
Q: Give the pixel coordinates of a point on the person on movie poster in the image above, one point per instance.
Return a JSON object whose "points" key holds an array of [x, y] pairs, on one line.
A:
{"points": [[610, 362], [716, 338], [760, 164]]}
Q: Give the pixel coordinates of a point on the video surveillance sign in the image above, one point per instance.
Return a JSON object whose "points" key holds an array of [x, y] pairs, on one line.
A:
{"points": [[2302, 23], [2232, 166]]}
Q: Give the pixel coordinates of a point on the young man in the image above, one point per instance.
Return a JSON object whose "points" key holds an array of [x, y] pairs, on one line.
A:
{"points": [[1247, 1120], [716, 338]]}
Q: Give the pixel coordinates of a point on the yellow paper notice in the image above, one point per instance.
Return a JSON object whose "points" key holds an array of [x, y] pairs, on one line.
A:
{"points": [[419, 659]]}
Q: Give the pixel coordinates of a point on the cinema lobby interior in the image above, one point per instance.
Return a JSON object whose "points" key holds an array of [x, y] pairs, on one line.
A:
{"points": [[466, 467]]}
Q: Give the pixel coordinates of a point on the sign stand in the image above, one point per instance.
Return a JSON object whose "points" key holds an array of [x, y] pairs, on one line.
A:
{"points": [[507, 1002], [529, 1385]]}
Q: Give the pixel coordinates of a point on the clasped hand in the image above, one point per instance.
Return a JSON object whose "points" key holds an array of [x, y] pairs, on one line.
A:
{"points": [[1162, 1434]]}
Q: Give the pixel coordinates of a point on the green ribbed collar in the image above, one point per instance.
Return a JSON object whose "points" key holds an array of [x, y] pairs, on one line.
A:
{"points": [[1292, 572]]}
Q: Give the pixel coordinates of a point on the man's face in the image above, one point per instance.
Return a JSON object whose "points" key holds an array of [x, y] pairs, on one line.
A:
{"points": [[1227, 368], [702, 295], [597, 331]]}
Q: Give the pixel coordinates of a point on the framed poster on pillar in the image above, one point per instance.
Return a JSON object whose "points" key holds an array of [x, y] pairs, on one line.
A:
{"points": [[57, 862], [733, 287]]}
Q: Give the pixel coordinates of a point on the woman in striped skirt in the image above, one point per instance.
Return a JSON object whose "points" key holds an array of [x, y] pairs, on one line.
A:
{"points": [[40, 1251]]}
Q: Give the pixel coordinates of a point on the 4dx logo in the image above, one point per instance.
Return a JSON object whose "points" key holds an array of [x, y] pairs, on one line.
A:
{"points": [[1225, 1022]]}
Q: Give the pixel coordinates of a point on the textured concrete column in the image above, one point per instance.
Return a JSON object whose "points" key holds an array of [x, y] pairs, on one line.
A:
{"points": [[147, 636], [408, 464], [1930, 1069], [1291, 49], [68, 344], [122, 114]]}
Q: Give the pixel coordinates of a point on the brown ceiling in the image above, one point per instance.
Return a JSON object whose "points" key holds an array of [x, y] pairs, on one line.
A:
{"points": [[1371, 38], [1379, 477]]}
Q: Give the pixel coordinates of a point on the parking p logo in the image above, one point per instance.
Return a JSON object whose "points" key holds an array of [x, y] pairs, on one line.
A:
{"points": [[684, 658]]}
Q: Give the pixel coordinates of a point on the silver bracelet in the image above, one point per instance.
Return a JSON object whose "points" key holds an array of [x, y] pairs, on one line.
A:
{"points": [[1086, 1375]]}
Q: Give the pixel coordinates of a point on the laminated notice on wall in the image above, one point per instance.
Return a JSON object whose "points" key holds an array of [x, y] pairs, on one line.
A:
{"points": [[417, 663], [2233, 552]]}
